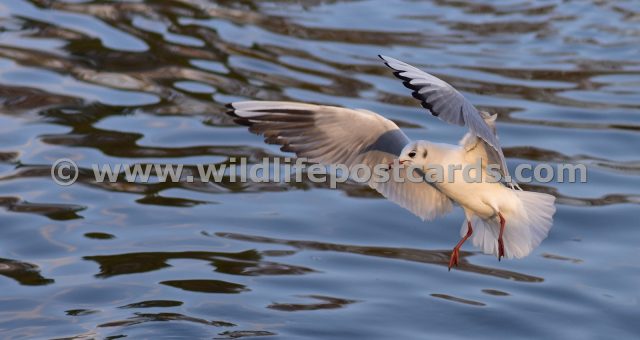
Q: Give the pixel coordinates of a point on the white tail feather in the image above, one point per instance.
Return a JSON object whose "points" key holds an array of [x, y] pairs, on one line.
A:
{"points": [[525, 227]]}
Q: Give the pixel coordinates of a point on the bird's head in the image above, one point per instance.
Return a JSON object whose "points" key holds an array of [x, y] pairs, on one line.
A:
{"points": [[415, 153]]}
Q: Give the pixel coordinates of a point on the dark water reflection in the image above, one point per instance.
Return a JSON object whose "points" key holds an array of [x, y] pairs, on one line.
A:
{"points": [[146, 82], [424, 256]]}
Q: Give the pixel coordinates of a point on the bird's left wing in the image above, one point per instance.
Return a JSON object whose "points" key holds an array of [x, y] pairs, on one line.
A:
{"points": [[476, 148], [449, 105], [333, 135]]}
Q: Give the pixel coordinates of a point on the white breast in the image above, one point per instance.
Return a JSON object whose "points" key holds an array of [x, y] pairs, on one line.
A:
{"points": [[483, 198]]}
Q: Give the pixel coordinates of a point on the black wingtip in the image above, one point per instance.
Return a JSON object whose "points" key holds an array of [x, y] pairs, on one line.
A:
{"points": [[242, 121], [386, 62], [231, 111]]}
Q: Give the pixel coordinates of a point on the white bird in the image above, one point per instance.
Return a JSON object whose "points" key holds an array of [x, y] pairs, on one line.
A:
{"points": [[503, 219]]}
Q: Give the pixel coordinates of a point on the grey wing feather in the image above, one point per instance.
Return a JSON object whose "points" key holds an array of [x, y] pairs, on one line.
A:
{"points": [[447, 103], [332, 135], [476, 147]]}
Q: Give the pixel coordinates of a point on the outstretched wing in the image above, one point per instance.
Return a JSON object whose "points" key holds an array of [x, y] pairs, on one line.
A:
{"points": [[448, 104], [332, 135], [476, 148]]}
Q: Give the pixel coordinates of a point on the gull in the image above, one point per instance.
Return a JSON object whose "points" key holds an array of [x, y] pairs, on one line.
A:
{"points": [[503, 219]]}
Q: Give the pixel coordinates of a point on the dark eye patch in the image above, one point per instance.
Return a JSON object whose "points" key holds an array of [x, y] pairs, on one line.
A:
{"points": [[412, 154], [424, 155]]}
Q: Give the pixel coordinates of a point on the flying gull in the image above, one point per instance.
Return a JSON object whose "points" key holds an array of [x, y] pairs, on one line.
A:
{"points": [[502, 219]]}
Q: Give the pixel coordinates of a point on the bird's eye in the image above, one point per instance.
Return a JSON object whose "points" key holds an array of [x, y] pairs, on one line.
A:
{"points": [[412, 154]]}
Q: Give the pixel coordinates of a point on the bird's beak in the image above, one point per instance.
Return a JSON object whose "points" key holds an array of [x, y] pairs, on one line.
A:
{"points": [[396, 161]]}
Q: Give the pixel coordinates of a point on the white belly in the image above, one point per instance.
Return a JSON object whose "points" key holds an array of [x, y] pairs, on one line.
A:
{"points": [[476, 194], [483, 199]]}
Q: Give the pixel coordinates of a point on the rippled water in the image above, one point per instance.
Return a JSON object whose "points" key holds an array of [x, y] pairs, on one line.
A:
{"points": [[146, 82]]}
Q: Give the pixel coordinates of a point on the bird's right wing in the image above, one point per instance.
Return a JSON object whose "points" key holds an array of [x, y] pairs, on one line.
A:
{"points": [[333, 135]]}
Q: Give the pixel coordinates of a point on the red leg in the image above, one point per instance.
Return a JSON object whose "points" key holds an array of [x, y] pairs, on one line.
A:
{"points": [[455, 254], [500, 242]]}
